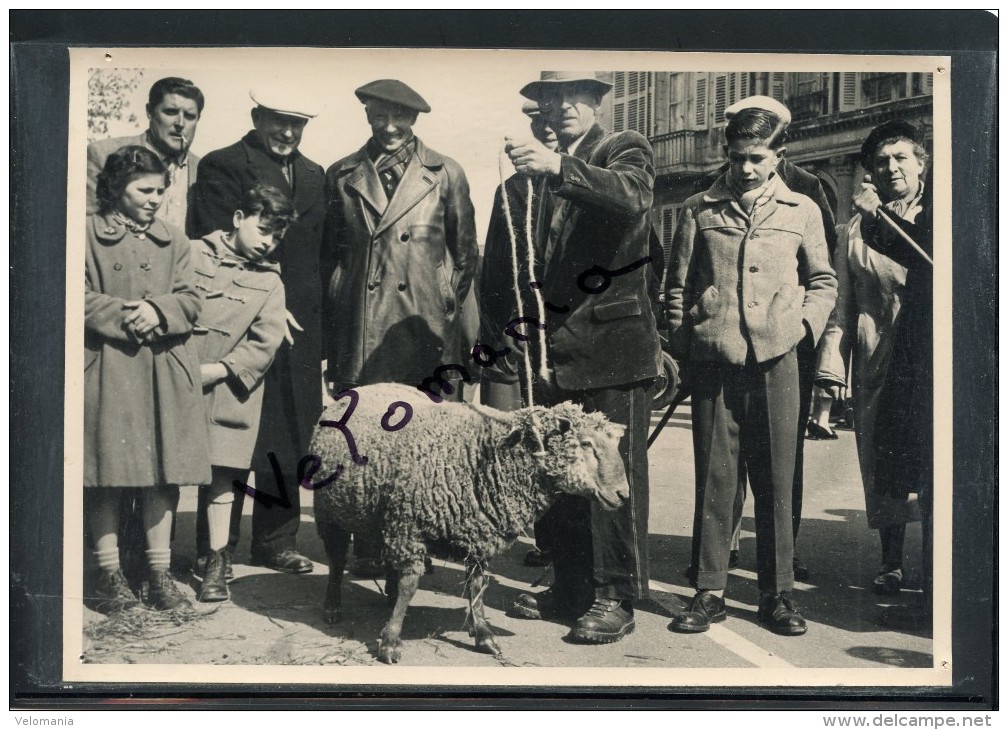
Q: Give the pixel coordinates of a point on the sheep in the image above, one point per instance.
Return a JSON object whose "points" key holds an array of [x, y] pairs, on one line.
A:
{"points": [[452, 480]]}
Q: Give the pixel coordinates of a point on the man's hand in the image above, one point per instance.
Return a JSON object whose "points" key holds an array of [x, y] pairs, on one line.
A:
{"points": [[532, 157], [212, 373], [144, 318], [867, 202], [291, 323]]}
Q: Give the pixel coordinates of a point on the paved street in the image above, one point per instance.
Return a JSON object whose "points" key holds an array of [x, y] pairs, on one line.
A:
{"points": [[276, 619]]}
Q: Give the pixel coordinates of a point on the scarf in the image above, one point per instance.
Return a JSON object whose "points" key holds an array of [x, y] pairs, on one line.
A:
{"points": [[391, 166], [752, 200]]}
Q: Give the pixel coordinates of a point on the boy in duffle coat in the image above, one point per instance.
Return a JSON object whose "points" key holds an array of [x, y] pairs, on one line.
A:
{"points": [[749, 279]]}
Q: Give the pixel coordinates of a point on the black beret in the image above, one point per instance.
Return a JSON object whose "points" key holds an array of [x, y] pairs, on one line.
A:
{"points": [[888, 130], [394, 92]]}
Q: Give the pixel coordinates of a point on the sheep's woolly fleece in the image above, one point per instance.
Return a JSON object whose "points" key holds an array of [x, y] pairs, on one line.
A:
{"points": [[450, 479]]}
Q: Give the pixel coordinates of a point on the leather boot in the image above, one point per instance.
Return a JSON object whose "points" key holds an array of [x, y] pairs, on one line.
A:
{"points": [[113, 593], [164, 595], [215, 578]]}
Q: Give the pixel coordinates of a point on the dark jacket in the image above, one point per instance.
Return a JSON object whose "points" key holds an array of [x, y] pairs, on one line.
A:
{"points": [[798, 181], [736, 283], [595, 249], [292, 406], [398, 270], [143, 406]]}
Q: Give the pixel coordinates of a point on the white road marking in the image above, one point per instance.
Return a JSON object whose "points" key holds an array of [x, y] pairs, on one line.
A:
{"points": [[725, 637]]}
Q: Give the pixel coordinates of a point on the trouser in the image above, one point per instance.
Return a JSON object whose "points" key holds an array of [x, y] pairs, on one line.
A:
{"points": [[745, 416], [594, 549], [805, 353]]}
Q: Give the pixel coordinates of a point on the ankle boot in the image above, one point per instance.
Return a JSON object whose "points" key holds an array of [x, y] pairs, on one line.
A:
{"points": [[215, 578], [164, 595], [113, 593]]}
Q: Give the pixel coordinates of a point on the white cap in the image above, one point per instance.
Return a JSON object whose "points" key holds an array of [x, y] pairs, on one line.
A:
{"points": [[760, 102], [282, 101]]}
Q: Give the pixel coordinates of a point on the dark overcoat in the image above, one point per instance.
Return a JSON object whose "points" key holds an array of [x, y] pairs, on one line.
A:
{"points": [[904, 431], [399, 270], [292, 400], [242, 327], [596, 264], [143, 406]]}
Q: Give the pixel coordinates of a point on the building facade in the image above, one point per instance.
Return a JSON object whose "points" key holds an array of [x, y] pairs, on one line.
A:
{"points": [[682, 115]]}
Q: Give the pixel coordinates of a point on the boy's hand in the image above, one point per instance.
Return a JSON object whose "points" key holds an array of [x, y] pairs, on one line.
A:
{"points": [[291, 323], [144, 318], [213, 373]]}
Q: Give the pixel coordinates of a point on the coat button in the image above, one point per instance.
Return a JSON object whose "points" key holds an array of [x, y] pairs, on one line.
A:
{"points": [[371, 285], [755, 235], [109, 231], [751, 305], [402, 286], [753, 269], [404, 237], [117, 266]]}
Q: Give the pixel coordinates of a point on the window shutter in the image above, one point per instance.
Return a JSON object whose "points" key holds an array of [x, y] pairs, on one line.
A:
{"points": [[743, 85], [668, 228], [701, 102], [720, 97], [928, 89], [631, 115], [777, 85], [634, 85], [848, 90], [618, 125], [619, 84]]}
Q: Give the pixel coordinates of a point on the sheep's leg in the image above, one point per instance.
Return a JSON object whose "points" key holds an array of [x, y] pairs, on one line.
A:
{"points": [[390, 643], [479, 627], [391, 585], [336, 541]]}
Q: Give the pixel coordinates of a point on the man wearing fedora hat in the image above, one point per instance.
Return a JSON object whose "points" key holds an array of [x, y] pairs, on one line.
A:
{"points": [[399, 259], [292, 391], [602, 346]]}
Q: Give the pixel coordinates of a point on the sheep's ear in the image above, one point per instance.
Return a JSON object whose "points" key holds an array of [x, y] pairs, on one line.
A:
{"points": [[615, 430]]}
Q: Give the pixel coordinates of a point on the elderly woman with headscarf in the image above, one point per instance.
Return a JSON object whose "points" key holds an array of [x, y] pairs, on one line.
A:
{"points": [[860, 333], [895, 207]]}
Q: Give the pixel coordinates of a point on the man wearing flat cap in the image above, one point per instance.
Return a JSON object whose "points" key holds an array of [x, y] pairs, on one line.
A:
{"points": [[399, 257], [292, 399], [601, 342]]}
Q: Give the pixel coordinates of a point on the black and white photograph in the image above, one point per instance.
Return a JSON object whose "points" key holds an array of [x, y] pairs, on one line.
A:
{"points": [[490, 367]]}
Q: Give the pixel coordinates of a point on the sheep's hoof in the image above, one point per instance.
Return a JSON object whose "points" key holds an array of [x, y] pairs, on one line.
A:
{"points": [[333, 614], [488, 645], [389, 651]]}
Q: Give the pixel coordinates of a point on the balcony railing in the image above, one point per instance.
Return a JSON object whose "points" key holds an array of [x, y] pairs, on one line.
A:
{"points": [[682, 151]]}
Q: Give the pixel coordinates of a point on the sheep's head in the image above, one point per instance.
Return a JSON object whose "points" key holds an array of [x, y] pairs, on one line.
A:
{"points": [[581, 453]]}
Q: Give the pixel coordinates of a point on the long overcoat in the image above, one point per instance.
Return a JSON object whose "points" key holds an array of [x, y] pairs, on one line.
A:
{"points": [[143, 407], [399, 270], [904, 441], [293, 397], [242, 327], [860, 332]]}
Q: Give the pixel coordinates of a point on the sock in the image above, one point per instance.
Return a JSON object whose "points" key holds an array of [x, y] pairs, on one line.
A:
{"points": [[159, 560], [108, 560], [219, 516]]}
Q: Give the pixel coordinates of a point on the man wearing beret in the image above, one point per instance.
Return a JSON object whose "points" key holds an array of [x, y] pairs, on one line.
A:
{"points": [[601, 342], [174, 107], [292, 400], [399, 256], [807, 184]]}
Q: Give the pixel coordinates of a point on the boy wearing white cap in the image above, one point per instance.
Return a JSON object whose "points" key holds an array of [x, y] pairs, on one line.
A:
{"points": [[292, 399]]}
